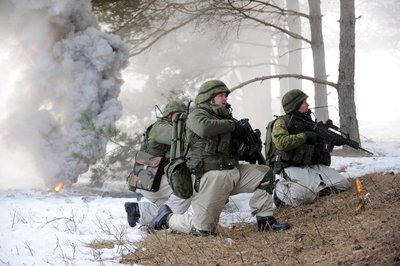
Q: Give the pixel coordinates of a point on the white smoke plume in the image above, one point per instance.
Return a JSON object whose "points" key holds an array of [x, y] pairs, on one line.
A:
{"points": [[57, 68]]}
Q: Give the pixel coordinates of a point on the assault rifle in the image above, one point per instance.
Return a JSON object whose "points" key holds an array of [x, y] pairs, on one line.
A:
{"points": [[331, 134], [250, 148]]}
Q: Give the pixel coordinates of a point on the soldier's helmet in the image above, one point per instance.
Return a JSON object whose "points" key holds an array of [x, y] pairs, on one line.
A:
{"points": [[210, 89], [174, 107], [292, 100]]}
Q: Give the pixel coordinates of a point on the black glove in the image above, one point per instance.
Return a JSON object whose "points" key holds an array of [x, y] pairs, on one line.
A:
{"points": [[311, 137], [239, 132], [339, 142]]}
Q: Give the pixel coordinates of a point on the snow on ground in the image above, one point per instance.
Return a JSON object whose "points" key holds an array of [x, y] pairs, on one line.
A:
{"points": [[50, 228], [386, 159], [38, 227]]}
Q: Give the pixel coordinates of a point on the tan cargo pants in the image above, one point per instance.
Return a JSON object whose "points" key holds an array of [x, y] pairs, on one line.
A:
{"points": [[214, 191]]}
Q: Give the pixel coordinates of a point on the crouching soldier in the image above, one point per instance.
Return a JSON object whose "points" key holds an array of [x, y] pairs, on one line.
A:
{"points": [[299, 156], [212, 157], [158, 142]]}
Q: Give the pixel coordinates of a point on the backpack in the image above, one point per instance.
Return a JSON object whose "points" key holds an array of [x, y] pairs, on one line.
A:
{"points": [[270, 148], [147, 169], [145, 145], [178, 174]]}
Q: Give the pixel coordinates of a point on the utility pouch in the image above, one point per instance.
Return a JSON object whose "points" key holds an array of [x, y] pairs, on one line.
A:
{"points": [[180, 178], [147, 172]]}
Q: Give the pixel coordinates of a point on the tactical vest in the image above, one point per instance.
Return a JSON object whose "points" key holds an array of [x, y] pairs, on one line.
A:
{"points": [[303, 155], [209, 153]]}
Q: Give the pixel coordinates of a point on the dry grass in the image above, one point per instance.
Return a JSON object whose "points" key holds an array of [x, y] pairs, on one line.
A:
{"points": [[327, 232], [100, 244]]}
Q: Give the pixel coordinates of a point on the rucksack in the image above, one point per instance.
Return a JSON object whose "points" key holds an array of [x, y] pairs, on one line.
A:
{"points": [[145, 144], [178, 174], [270, 148], [148, 169]]}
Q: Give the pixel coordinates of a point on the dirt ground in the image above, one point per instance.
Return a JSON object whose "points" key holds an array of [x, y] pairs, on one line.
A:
{"points": [[326, 232]]}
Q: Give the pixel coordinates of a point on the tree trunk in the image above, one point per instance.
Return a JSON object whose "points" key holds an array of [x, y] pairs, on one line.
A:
{"points": [[283, 61], [295, 65], [318, 50], [347, 106], [282, 50]]}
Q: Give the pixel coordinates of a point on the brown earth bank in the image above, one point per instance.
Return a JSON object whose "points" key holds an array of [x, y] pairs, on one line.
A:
{"points": [[326, 232]]}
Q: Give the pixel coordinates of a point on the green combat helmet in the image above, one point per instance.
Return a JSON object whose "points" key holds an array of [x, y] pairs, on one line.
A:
{"points": [[210, 89], [174, 107], [292, 100]]}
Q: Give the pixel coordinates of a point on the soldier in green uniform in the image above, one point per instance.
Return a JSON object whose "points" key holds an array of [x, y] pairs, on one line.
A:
{"points": [[212, 136], [300, 159], [159, 143]]}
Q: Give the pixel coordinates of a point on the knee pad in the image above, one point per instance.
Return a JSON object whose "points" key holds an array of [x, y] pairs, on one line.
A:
{"points": [[268, 182]]}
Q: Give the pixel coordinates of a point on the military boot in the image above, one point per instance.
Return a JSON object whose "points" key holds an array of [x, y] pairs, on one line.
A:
{"points": [[197, 232], [161, 220], [132, 210], [270, 223]]}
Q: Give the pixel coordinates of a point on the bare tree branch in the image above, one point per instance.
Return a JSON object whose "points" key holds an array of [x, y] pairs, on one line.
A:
{"points": [[289, 33], [165, 33], [334, 85], [284, 12], [135, 16]]}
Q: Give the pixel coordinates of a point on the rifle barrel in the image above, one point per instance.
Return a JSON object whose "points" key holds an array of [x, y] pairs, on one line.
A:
{"points": [[323, 130]]}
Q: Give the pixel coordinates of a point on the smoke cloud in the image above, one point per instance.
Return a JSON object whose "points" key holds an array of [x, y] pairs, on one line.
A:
{"points": [[60, 78]]}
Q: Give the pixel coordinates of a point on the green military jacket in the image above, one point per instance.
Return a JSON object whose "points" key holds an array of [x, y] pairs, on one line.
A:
{"points": [[208, 133], [159, 138], [290, 144]]}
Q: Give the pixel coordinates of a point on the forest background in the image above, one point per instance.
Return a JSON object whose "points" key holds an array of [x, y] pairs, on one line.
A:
{"points": [[251, 45], [61, 96], [260, 49]]}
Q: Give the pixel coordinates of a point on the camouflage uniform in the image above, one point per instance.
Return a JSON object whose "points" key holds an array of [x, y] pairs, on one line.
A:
{"points": [[159, 143], [214, 162], [303, 167]]}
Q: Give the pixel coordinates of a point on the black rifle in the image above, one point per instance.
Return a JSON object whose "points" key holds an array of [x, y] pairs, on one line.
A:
{"points": [[250, 148], [330, 134]]}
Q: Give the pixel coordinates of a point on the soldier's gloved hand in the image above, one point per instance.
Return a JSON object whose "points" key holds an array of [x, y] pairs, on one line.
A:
{"points": [[339, 142], [239, 132], [311, 137]]}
